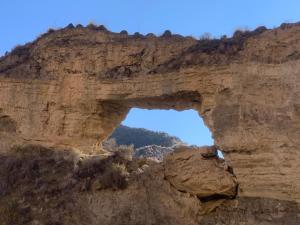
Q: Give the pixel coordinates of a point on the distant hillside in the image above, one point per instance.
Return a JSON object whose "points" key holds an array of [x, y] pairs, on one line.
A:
{"points": [[153, 152], [141, 137]]}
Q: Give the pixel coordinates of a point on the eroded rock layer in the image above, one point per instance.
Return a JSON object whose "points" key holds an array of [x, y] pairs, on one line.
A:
{"points": [[70, 88]]}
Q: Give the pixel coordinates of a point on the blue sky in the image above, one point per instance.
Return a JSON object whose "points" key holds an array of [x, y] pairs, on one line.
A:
{"points": [[185, 124], [24, 20]]}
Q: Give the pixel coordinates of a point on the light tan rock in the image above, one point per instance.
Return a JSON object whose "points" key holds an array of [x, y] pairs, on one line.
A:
{"points": [[72, 87], [187, 170]]}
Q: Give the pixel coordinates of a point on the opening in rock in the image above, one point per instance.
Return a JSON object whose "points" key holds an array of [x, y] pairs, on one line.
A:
{"points": [[157, 132]]}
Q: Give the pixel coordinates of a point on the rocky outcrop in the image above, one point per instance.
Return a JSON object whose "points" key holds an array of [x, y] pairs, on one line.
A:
{"points": [[187, 170], [71, 87]]}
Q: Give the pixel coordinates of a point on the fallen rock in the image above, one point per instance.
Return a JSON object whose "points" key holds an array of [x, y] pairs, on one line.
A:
{"points": [[188, 171]]}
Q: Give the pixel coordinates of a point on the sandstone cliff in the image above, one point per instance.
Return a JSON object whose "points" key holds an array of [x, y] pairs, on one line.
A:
{"points": [[71, 87]]}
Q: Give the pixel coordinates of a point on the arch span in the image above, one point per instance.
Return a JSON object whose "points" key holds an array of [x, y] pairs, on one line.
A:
{"points": [[72, 87]]}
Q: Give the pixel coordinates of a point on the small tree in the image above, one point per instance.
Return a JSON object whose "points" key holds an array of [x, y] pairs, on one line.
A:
{"points": [[206, 36]]}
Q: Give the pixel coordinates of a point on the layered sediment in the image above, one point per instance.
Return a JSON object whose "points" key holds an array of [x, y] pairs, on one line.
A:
{"points": [[70, 88]]}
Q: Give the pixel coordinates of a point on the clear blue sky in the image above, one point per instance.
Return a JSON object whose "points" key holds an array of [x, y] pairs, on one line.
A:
{"points": [[186, 124], [23, 20]]}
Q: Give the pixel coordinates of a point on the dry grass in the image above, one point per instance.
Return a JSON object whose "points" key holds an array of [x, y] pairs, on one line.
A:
{"points": [[115, 178], [10, 212], [35, 177]]}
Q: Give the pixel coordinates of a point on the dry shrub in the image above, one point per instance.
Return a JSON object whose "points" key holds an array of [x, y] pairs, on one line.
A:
{"points": [[125, 151], [110, 145], [9, 212], [108, 173], [206, 36], [115, 177]]}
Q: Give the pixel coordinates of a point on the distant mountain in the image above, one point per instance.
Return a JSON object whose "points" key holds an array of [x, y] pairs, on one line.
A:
{"points": [[140, 137], [153, 152]]}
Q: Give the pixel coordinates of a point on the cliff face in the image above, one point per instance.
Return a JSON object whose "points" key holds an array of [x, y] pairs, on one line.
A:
{"points": [[70, 88]]}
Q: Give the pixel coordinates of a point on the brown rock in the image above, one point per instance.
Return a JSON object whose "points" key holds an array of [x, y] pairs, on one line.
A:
{"points": [[187, 170], [72, 87]]}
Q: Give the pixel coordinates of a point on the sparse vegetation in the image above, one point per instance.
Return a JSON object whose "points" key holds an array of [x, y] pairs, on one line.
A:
{"points": [[115, 177], [124, 32], [110, 173], [167, 33], [32, 171], [205, 36], [50, 30], [94, 26]]}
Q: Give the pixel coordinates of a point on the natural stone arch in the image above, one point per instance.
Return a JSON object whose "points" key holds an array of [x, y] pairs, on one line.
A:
{"points": [[178, 101], [73, 86]]}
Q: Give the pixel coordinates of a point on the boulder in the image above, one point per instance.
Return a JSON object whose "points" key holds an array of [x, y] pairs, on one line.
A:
{"points": [[188, 171]]}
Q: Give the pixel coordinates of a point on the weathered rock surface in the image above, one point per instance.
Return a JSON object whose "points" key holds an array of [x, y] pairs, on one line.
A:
{"points": [[250, 210], [70, 89], [187, 170]]}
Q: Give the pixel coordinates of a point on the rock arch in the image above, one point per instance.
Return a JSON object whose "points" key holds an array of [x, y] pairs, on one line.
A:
{"points": [[71, 87]]}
